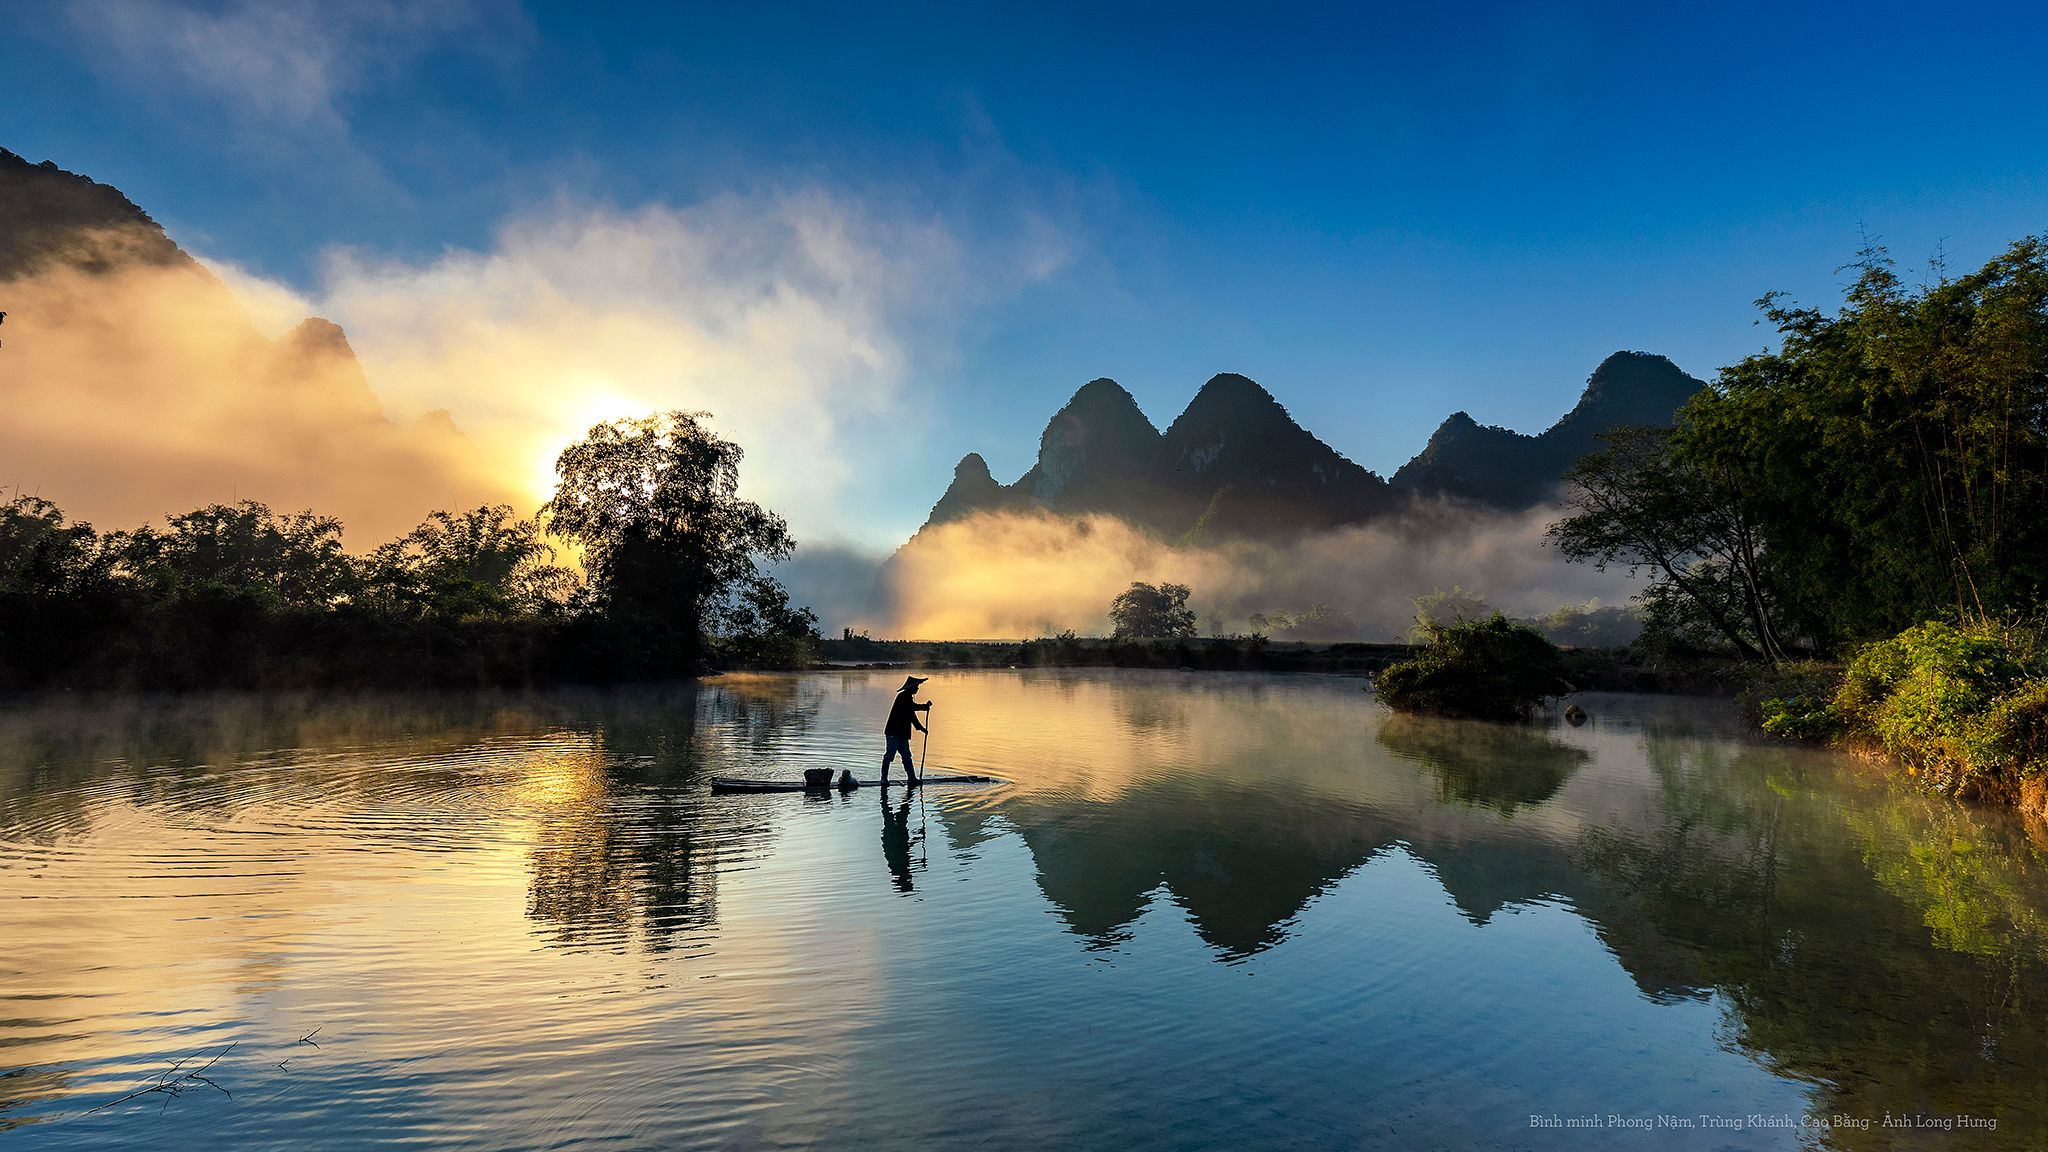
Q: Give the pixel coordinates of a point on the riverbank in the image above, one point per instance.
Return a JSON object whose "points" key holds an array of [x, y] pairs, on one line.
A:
{"points": [[1233, 654]]}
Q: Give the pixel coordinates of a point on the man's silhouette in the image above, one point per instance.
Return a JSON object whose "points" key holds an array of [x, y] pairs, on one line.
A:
{"points": [[903, 718]]}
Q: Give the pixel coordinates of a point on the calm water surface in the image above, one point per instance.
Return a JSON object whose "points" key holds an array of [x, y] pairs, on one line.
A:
{"points": [[1211, 912]]}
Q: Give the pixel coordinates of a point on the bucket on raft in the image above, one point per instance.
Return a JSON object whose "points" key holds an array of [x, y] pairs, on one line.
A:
{"points": [[817, 777]]}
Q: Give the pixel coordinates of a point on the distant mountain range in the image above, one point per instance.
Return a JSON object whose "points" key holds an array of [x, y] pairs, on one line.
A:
{"points": [[1234, 464], [1506, 469]]}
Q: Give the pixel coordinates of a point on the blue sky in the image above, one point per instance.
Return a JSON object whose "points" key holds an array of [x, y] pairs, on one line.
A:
{"points": [[1384, 214]]}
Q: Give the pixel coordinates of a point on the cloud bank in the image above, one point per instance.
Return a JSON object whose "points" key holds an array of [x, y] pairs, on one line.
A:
{"points": [[791, 316], [786, 316], [1008, 575], [144, 390]]}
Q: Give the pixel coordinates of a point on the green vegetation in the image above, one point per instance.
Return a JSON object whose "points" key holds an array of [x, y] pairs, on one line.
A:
{"points": [[1640, 504], [672, 551], [1491, 669], [1871, 491], [238, 595], [1884, 467], [1145, 611], [1965, 709]]}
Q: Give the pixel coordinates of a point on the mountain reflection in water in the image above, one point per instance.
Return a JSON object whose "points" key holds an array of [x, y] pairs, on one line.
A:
{"points": [[1454, 926]]}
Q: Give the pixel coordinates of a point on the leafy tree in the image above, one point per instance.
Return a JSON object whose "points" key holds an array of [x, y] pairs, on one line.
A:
{"points": [[1638, 503], [1145, 611], [245, 550], [61, 591], [671, 549], [43, 555], [476, 563], [758, 626], [1271, 623], [1896, 453]]}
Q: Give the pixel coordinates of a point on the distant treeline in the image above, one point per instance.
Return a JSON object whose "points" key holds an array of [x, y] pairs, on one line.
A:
{"points": [[237, 595], [1068, 650], [1587, 669]]}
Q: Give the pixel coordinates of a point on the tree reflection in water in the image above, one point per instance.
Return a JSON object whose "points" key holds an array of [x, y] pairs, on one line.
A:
{"points": [[1888, 949], [631, 848], [1498, 766], [1881, 945]]}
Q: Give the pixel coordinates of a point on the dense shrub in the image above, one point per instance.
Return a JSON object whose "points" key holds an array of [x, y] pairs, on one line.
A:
{"points": [[1491, 669], [1964, 708]]}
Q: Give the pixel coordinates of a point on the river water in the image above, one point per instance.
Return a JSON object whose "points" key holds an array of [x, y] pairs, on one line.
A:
{"points": [[1210, 912]]}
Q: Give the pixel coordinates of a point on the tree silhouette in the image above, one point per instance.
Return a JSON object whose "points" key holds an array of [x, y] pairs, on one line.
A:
{"points": [[671, 549], [1144, 611]]}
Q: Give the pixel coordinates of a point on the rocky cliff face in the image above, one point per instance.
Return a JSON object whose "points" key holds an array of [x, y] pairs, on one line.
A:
{"points": [[1243, 466], [1098, 454], [973, 490], [50, 216]]}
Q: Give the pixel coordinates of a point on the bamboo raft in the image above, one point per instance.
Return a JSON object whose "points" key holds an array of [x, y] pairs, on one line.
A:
{"points": [[730, 784]]}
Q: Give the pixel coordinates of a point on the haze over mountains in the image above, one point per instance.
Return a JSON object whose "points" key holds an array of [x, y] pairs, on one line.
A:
{"points": [[1235, 465], [1257, 515], [137, 386]]}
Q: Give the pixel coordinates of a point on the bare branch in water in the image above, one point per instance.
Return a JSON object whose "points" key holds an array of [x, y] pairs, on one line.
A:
{"points": [[172, 1083]]}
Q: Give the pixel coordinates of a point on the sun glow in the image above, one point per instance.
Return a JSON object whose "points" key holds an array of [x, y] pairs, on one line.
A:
{"points": [[583, 402]]}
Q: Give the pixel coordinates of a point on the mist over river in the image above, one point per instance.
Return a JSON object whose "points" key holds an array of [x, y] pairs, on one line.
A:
{"points": [[1209, 912]]}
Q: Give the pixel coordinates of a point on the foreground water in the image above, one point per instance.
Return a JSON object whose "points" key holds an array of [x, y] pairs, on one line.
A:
{"points": [[1211, 912]]}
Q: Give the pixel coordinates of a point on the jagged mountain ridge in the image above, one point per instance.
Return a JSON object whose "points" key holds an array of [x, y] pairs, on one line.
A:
{"points": [[48, 215], [1509, 470], [1234, 464], [1256, 472]]}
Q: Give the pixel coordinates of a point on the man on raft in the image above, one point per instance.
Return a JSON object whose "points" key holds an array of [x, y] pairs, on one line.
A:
{"points": [[903, 718]]}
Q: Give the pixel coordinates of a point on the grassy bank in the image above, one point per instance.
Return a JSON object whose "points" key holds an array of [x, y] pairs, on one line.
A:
{"points": [[1962, 710]]}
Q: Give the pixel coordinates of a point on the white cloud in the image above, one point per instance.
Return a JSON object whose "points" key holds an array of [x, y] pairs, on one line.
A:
{"points": [[285, 65], [791, 317]]}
